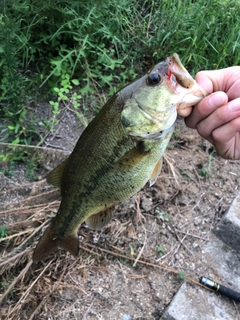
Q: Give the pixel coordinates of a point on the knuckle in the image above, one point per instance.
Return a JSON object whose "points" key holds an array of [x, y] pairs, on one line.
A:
{"points": [[216, 137], [202, 129]]}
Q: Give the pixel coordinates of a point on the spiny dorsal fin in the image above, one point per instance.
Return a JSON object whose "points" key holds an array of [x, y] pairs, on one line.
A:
{"points": [[156, 171], [99, 220], [55, 176]]}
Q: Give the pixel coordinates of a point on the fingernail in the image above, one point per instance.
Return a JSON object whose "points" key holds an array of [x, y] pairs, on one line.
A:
{"points": [[234, 105], [217, 99]]}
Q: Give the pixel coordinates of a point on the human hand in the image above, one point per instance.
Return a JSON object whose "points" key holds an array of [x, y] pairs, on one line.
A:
{"points": [[217, 116]]}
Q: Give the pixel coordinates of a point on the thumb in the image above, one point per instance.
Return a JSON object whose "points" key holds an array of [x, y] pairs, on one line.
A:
{"points": [[204, 80]]}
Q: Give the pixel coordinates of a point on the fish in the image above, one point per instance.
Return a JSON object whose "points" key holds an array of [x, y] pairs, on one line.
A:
{"points": [[118, 153]]}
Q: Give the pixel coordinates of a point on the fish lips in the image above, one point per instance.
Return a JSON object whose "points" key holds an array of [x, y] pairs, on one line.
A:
{"points": [[182, 76]]}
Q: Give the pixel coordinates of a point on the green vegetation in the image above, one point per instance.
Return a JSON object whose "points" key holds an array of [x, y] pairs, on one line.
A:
{"points": [[204, 173], [160, 251], [13, 155], [162, 215], [181, 276], [184, 173], [3, 286], [72, 49], [3, 231], [131, 250]]}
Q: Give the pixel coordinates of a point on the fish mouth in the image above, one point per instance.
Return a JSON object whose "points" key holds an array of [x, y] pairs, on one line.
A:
{"points": [[182, 76], [182, 83]]}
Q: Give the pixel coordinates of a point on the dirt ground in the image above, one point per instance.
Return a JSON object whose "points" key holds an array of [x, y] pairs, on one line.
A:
{"points": [[132, 268]]}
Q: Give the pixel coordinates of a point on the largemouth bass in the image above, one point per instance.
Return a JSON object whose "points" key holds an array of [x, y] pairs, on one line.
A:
{"points": [[119, 151]]}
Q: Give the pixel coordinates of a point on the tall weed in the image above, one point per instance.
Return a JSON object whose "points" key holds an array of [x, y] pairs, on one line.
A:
{"points": [[105, 43]]}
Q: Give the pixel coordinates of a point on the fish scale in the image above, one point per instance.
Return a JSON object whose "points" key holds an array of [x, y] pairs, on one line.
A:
{"points": [[118, 152]]}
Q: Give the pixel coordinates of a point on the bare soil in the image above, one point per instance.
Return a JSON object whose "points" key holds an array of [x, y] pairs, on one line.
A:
{"points": [[132, 268]]}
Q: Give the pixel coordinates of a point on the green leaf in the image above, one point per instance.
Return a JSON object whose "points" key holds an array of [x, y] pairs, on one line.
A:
{"points": [[75, 82], [16, 141]]}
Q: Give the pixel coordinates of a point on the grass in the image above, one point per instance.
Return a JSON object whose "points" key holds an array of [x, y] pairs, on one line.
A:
{"points": [[32, 291], [75, 52], [3, 231], [34, 285]]}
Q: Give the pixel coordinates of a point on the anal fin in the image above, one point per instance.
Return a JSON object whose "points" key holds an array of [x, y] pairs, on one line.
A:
{"points": [[156, 171], [99, 220]]}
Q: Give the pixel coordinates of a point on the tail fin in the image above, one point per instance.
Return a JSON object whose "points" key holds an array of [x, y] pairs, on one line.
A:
{"points": [[49, 242]]}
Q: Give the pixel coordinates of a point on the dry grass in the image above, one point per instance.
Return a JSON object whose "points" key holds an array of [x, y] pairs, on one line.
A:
{"points": [[36, 290], [27, 285]]}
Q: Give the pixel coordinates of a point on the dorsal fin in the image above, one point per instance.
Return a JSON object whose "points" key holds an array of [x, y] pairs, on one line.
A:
{"points": [[55, 176], [99, 220], [156, 171]]}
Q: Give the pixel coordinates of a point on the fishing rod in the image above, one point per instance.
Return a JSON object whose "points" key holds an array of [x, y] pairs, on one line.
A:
{"points": [[220, 288]]}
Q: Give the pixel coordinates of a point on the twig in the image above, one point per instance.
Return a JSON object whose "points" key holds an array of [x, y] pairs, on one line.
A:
{"points": [[42, 303], [175, 176], [16, 235], [178, 247], [31, 147], [16, 256], [52, 289], [38, 196], [192, 235], [21, 274], [146, 263], [181, 241], [139, 216], [145, 233], [91, 251], [35, 231], [88, 309], [124, 277], [25, 294], [167, 254], [195, 206], [15, 183], [14, 253], [23, 209], [29, 185], [54, 147], [72, 286]]}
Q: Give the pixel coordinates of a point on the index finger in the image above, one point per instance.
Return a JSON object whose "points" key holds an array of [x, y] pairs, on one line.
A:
{"points": [[205, 82], [206, 107]]}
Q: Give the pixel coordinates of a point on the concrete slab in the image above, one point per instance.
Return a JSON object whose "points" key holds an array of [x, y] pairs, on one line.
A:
{"points": [[222, 254], [225, 261], [194, 303], [228, 229]]}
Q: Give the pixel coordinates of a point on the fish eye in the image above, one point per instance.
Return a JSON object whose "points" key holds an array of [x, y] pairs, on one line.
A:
{"points": [[154, 78]]}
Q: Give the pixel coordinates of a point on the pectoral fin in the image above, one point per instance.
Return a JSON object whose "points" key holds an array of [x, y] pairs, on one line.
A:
{"points": [[133, 157], [55, 176], [99, 220], [156, 171]]}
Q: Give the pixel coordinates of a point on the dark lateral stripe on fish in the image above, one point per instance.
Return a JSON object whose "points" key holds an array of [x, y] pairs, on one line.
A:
{"points": [[91, 181]]}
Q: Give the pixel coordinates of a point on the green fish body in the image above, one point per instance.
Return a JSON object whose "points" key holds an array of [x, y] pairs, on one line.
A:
{"points": [[119, 151]]}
